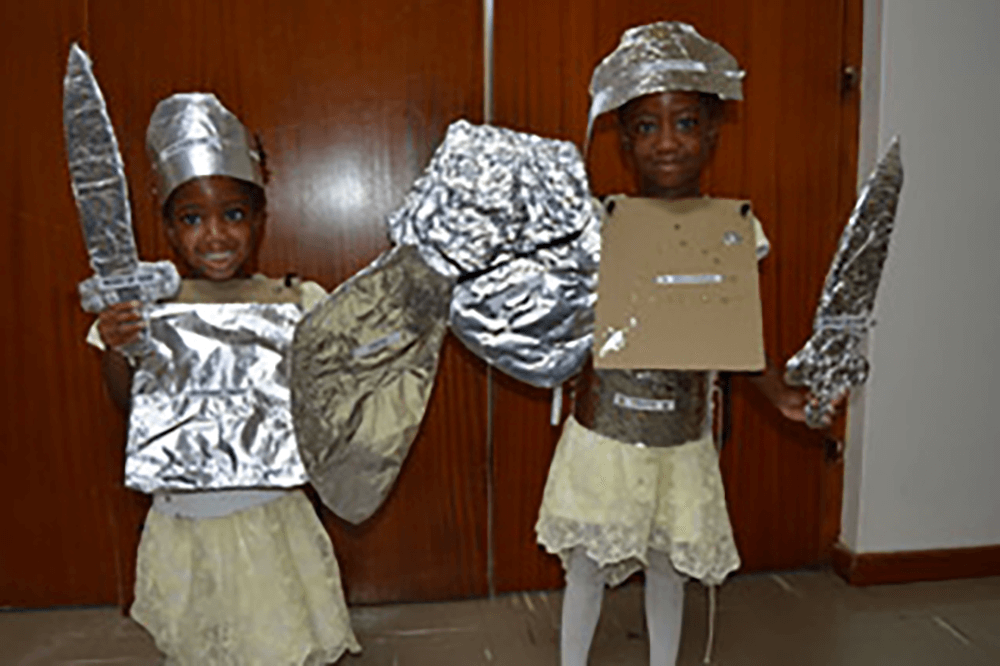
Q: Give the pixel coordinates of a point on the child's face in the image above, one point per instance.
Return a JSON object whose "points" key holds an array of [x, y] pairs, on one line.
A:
{"points": [[213, 226], [668, 138]]}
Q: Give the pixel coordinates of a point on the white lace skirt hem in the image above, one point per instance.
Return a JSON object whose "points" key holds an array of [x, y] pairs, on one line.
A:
{"points": [[618, 501]]}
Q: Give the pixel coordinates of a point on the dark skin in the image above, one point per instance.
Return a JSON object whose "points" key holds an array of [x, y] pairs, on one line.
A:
{"points": [[667, 140], [213, 224]]}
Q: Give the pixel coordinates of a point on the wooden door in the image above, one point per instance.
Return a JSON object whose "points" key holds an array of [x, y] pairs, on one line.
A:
{"points": [[349, 100], [791, 149]]}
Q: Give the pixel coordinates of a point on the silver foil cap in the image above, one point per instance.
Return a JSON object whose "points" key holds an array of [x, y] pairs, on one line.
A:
{"points": [[662, 57], [192, 135]]}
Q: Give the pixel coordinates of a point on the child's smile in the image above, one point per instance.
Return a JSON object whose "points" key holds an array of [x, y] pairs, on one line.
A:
{"points": [[213, 226]]}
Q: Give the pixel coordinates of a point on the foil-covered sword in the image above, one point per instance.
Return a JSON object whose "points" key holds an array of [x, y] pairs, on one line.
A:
{"points": [[831, 362], [97, 176]]}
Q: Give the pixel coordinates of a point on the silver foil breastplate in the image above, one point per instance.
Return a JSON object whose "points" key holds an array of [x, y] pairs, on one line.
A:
{"points": [[211, 404], [656, 408]]}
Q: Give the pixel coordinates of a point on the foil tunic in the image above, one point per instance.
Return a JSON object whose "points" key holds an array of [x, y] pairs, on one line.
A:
{"points": [[832, 360], [211, 402]]}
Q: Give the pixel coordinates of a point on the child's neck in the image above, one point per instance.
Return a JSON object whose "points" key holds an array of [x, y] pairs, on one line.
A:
{"points": [[652, 191]]}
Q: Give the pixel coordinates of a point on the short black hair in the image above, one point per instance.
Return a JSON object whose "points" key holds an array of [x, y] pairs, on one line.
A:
{"points": [[253, 191]]}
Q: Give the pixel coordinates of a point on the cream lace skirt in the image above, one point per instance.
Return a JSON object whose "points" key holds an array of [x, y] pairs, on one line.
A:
{"points": [[619, 500], [259, 587]]}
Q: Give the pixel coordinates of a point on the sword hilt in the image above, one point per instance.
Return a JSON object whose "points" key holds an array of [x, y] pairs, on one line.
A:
{"points": [[148, 283]]}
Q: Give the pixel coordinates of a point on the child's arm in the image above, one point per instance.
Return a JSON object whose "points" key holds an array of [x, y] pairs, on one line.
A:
{"points": [[118, 325]]}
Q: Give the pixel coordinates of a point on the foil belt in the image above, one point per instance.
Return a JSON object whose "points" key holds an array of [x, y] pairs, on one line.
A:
{"points": [[211, 404], [490, 195], [832, 360], [655, 408], [533, 317], [364, 363]]}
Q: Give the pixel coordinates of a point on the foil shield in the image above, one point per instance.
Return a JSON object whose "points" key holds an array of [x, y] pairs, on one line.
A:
{"points": [[490, 195], [832, 360], [211, 402], [533, 317], [364, 364]]}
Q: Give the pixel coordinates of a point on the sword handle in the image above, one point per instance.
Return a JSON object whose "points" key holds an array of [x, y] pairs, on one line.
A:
{"points": [[148, 283]]}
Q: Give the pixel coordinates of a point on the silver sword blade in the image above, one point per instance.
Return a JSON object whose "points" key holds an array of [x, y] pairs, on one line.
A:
{"points": [[96, 171]]}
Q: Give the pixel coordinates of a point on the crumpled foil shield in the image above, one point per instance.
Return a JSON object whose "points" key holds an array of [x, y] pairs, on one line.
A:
{"points": [[211, 405], [490, 195], [364, 363], [662, 57], [831, 362], [533, 317]]}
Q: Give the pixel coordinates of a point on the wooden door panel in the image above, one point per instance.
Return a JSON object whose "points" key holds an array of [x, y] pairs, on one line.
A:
{"points": [[783, 148], [57, 516]]}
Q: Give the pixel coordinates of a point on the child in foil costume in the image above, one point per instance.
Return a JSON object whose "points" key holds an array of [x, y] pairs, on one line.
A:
{"points": [[234, 566], [630, 491]]}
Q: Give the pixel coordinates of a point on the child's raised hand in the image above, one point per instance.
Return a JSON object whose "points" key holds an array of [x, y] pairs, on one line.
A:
{"points": [[120, 324]]}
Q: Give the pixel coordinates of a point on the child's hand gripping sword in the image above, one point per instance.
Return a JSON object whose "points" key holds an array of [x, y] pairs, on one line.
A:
{"points": [[98, 179], [831, 362]]}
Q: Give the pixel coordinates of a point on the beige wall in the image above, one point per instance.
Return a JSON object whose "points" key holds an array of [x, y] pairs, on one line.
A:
{"points": [[924, 450]]}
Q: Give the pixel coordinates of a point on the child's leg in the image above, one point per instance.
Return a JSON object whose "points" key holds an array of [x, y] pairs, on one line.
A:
{"points": [[664, 609], [581, 607]]}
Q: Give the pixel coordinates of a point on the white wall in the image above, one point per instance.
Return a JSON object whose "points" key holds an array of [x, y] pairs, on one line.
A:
{"points": [[923, 457]]}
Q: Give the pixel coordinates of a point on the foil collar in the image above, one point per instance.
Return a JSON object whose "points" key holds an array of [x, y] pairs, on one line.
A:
{"points": [[490, 195], [832, 360], [364, 364], [211, 404], [533, 317], [662, 57], [192, 135]]}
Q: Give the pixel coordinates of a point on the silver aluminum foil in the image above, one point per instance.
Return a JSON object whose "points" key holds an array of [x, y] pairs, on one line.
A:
{"points": [[211, 404], [533, 317], [662, 57], [490, 195], [192, 135], [831, 362], [97, 176], [364, 362], [655, 408]]}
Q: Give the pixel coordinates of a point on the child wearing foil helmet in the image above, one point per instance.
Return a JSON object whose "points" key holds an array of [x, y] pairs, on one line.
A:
{"points": [[618, 501], [234, 570]]}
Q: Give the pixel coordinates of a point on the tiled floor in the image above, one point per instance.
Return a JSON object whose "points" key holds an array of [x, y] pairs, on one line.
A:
{"points": [[801, 619]]}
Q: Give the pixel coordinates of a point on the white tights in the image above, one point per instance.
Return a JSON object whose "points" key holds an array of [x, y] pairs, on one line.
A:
{"points": [[582, 608]]}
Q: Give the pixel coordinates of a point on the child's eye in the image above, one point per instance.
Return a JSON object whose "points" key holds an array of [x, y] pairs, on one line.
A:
{"points": [[236, 214], [687, 123], [190, 219], [644, 128]]}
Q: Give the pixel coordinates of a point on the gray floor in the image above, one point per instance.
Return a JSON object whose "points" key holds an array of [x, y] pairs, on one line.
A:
{"points": [[804, 618]]}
